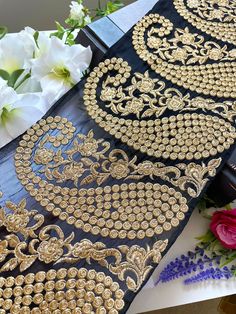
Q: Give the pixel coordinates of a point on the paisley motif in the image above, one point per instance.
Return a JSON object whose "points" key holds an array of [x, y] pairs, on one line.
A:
{"points": [[214, 17], [124, 210], [184, 58], [190, 136]]}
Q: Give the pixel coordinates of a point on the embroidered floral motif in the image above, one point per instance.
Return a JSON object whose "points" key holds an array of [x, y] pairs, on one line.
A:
{"points": [[118, 165], [215, 17], [155, 98], [198, 64], [58, 249], [138, 263], [221, 10], [188, 48]]}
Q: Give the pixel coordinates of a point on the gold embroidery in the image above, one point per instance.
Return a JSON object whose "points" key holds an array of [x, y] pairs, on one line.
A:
{"points": [[193, 181], [185, 136], [186, 47], [58, 249], [195, 176], [156, 99], [215, 79], [215, 17], [137, 262], [139, 209], [63, 166], [61, 291]]}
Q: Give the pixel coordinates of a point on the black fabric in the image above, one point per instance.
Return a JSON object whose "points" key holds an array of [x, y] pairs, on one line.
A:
{"points": [[72, 107]]}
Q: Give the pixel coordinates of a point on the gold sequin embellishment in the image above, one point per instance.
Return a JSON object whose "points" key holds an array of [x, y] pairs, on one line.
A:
{"points": [[65, 291], [127, 210], [147, 97], [176, 58], [178, 137], [130, 264], [215, 17]]}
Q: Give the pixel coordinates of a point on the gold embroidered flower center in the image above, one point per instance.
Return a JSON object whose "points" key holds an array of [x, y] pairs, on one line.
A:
{"points": [[175, 103], [119, 169], [146, 85], [43, 156], [50, 251]]}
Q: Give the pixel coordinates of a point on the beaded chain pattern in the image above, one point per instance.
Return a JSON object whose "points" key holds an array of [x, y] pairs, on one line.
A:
{"points": [[64, 291], [182, 59], [214, 17], [190, 136]]}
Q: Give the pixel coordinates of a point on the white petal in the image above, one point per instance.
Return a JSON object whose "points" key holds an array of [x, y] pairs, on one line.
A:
{"points": [[5, 137], [29, 86], [53, 88], [22, 119], [7, 96], [15, 52]]}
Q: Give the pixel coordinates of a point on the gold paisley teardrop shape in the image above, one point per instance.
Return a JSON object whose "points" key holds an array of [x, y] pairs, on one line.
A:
{"points": [[134, 210], [185, 136], [61, 291], [185, 59], [216, 18]]}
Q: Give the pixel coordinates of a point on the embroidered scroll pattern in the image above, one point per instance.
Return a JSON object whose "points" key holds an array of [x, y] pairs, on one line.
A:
{"points": [[181, 59], [98, 165], [215, 17], [176, 137], [124, 210], [155, 99], [42, 246]]}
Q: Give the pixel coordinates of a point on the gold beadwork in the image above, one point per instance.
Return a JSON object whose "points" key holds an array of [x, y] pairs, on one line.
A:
{"points": [[99, 166], [184, 136], [216, 18], [70, 290], [215, 79], [137, 205], [155, 99], [58, 249]]}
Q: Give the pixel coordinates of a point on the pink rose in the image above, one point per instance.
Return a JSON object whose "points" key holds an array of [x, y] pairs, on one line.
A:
{"points": [[223, 226]]}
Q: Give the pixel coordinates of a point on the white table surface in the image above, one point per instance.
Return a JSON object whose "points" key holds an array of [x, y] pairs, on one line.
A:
{"points": [[175, 292]]}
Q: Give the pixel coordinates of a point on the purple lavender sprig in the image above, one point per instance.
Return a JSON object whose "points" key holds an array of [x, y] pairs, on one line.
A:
{"points": [[211, 273], [187, 265]]}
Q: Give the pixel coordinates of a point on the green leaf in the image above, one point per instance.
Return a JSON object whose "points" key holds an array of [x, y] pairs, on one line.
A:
{"points": [[14, 77], [207, 238], [36, 36], [3, 31], [109, 8], [225, 260], [4, 75]]}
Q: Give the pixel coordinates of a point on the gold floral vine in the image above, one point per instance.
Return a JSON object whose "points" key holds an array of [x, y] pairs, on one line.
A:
{"points": [[176, 59], [214, 17], [155, 99], [58, 249], [177, 137], [97, 164], [126, 210]]}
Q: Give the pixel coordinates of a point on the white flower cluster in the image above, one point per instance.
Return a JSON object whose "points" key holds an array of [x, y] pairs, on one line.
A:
{"points": [[36, 71], [77, 13]]}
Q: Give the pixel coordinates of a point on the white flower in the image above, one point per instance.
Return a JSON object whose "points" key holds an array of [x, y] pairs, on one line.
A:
{"points": [[18, 112], [77, 11], [16, 51], [60, 67]]}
